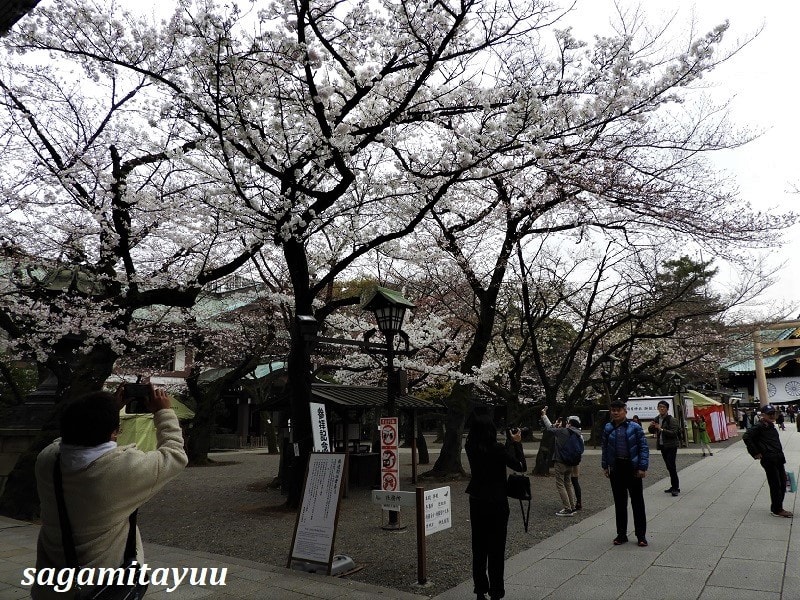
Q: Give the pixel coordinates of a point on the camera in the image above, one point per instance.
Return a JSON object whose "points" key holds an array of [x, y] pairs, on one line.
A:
{"points": [[136, 396], [515, 430]]}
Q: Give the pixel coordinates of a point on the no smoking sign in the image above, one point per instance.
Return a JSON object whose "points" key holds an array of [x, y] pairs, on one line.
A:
{"points": [[388, 435], [390, 458]]}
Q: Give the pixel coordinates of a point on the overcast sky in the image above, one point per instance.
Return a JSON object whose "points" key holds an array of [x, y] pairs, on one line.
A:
{"points": [[763, 79]]}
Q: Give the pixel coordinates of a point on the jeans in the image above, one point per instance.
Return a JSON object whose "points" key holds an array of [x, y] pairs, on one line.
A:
{"points": [[669, 455]]}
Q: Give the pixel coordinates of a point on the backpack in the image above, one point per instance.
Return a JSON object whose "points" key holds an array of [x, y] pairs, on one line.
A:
{"points": [[572, 449]]}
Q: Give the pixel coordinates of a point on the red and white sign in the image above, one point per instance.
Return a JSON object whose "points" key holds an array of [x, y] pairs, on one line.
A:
{"points": [[389, 432], [390, 455], [388, 482]]}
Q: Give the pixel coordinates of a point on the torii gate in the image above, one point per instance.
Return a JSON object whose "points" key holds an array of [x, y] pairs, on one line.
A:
{"points": [[758, 345]]}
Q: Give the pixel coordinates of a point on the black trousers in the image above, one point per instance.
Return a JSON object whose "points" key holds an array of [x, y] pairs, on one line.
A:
{"points": [[776, 480], [489, 522], [670, 455], [624, 484]]}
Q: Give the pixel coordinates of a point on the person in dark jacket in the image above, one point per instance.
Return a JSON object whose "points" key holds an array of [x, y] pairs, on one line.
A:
{"points": [[625, 458], [667, 430], [763, 442], [488, 504], [564, 472]]}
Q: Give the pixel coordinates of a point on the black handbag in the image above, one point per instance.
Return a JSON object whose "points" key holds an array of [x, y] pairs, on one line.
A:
{"points": [[112, 590], [519, 488]]}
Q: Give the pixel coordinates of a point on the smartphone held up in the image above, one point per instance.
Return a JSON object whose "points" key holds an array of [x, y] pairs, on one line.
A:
{"points": [[137, 396]]}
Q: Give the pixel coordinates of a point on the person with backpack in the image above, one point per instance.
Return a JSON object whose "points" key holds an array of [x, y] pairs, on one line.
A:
{"points": [[566, 456]]}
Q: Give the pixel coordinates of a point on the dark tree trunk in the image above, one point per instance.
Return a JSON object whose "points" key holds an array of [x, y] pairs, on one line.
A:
{"points": [[459, 406], [299, 380], [460, 402], [545, 454], [199, 443], [207, 397], [268, 431], [423, 458], [75, 377], [298, 374]]}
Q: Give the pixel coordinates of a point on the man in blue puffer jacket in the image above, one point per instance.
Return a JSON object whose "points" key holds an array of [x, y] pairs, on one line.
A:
{"points": [[625, 458]]}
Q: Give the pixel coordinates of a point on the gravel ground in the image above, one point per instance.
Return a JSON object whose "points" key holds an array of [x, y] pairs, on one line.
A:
{"points": [[230, 509]]}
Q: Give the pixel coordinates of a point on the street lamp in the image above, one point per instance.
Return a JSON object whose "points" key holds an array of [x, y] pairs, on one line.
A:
{"points": [[389, 307], [677, 383]]}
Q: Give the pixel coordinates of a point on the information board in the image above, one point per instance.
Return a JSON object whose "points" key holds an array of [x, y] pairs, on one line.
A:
{"points": [[315, 529], [437, 510], [646, 407], [319, 428]]}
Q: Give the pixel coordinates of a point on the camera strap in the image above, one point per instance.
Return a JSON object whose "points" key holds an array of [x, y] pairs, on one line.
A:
{"points": [[67, 540]]}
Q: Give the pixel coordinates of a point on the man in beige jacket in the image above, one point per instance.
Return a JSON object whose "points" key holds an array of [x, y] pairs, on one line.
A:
{"points": [[103, 483]]}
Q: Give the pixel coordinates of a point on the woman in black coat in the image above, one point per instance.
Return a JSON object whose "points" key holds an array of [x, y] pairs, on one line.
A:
{"points": [[488, 505]]}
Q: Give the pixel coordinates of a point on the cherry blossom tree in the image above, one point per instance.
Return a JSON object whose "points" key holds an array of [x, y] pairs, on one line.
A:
{"points": [[613, 141], [309, 117]]}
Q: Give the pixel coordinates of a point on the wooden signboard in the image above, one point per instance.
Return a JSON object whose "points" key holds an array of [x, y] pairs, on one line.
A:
{"points": [[315, 529]]}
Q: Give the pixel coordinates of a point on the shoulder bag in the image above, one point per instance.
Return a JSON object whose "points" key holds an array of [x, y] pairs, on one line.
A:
{"points": [[117, 589], [519, 488]]}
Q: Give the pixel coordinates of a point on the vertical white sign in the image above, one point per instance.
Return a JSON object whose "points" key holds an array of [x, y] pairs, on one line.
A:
{"points": [[315, 529], [390, 457], [437, 510], [319, 427]]}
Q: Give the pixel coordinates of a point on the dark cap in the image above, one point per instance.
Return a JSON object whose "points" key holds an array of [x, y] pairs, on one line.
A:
{"points": [[768, 408], [617, 404]]}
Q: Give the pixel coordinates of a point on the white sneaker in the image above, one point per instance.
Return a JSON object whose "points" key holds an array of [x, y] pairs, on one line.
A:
{"points": [[565, 512]]}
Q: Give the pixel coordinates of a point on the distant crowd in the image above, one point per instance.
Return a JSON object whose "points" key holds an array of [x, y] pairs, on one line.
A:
{"points": [[749, 418]]}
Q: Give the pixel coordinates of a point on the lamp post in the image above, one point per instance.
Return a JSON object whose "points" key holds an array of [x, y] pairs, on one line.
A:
{"points": [[677, 383], [389, 307]]}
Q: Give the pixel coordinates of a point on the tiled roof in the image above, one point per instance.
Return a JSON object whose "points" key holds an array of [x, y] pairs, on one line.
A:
{"points": [[363, 396], [774, 358]]}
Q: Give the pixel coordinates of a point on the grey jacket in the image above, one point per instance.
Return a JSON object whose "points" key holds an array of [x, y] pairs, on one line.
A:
{"points": [[560, 434]]}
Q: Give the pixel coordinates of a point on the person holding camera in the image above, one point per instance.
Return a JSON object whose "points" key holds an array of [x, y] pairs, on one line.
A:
{"points": [[564, 471], [667, 430], [488, 502], [100, 483]]}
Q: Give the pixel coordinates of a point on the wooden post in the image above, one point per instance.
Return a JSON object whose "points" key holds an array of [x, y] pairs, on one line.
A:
{"points": [[414, 446], [422, 570], [761, 377], [758, 357]]}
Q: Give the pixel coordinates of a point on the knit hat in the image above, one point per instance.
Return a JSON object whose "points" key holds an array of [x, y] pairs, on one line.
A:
{"points": [[574, 420]]}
